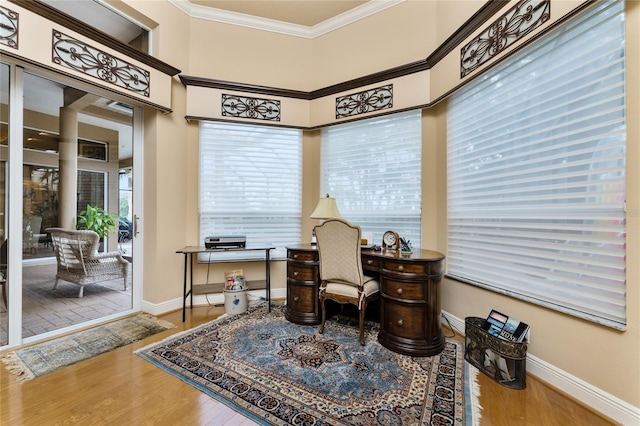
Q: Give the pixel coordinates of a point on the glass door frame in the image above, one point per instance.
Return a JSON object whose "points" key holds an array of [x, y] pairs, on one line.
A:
{"points": [[14, 199]]}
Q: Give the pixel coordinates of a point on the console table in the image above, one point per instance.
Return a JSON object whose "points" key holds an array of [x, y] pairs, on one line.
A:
{"points": [[410, 309], [189, 251]]}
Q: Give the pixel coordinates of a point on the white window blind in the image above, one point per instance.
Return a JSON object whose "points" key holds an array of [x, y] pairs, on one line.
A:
{"points": [[372, 168], [250, 184], [536, 172]]}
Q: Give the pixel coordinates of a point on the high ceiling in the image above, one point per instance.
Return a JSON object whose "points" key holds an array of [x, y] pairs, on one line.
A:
{"points": [[303, 18], [300, 12], [298, 16]]}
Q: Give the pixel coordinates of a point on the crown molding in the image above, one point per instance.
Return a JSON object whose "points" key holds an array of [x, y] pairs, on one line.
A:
{"points": [[234, 18], [80, 27], [349, 17]]}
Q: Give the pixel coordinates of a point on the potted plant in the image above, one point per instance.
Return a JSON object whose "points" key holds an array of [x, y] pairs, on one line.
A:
{"points": [[97, 220]]}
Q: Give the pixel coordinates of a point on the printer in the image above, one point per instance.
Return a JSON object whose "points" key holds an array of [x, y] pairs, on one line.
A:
{"points": [[225, 241]]}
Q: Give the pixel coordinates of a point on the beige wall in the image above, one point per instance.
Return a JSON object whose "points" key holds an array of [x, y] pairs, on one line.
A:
{"points": [[602, 357], [372, 44], [232, 53]]}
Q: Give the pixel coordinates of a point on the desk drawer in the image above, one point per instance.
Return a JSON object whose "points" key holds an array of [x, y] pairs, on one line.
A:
{"points": [[301, 273], [303, 256], [404, 321], [370, 263], [301, 298], [403, 290], [413, 267], [401, 267]]}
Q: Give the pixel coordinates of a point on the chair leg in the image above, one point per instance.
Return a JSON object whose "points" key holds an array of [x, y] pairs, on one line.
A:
{"points": [[323, 303], [362, 311], [81, 292], [55, 285]]}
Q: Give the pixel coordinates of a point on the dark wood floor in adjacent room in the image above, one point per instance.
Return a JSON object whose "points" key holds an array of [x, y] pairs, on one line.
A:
{"points": [[120, 388]]}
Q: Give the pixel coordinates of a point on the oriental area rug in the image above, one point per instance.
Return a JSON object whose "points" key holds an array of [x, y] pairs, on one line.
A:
{"points": [[43, 358], [279, 373]]}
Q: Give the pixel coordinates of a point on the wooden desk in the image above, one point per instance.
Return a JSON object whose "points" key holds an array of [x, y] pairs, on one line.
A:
{"points": [[189, 251], [410, 308]]}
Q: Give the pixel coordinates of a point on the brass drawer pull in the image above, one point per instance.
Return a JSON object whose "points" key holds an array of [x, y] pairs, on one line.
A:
{"points": [[295, 256], [295, 273], [399, 291], [400, 268], [369, 262], [400, 322], [296, 298]]}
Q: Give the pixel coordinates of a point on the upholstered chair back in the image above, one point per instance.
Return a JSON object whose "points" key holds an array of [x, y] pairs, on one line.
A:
{"points": [[339, 249]]}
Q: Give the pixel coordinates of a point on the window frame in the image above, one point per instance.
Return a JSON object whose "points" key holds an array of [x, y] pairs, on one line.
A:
{"points": [[267, 202], [373, 169], [588, 281]]}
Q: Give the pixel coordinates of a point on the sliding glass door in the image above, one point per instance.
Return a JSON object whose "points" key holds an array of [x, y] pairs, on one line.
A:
{"points": [[72, 149], [4, 203]]}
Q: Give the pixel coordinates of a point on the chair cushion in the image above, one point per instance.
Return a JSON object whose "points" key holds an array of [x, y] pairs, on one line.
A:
{"points": [[344, 289]]}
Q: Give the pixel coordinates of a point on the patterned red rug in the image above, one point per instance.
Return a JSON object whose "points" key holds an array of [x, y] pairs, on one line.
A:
{"points": [[276, 373]]}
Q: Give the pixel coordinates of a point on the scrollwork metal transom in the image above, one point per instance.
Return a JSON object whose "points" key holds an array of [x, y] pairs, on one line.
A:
{"points": [[79, 56], [519, 21], [9, 27], [246, 107], [366, 101]]}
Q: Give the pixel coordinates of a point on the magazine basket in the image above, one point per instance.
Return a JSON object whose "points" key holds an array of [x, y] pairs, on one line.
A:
{"points": [[501, 360]]}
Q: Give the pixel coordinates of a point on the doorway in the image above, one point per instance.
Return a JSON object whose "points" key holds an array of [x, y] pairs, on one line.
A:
{"points": [[65, 149]]}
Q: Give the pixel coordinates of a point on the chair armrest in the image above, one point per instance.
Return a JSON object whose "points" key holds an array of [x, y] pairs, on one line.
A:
{"points": [[109, 255]]}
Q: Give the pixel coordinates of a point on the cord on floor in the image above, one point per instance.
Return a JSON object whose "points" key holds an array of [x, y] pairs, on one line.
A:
{"points": [[451, 327]]}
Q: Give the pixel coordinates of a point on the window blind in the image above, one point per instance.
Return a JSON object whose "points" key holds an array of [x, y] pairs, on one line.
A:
{"points": [[372, 168], [250, 184], [536, 172]]}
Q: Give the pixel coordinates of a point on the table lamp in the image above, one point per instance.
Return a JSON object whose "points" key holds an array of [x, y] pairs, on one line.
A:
{"points": [[326, 209]]}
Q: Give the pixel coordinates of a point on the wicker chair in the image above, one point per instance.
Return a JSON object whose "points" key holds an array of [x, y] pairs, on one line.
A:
{"points": [[79, 261], [341, 276]]}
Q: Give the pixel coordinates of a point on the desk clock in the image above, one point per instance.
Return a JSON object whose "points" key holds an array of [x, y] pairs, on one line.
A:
{"points": [[391, 240]]}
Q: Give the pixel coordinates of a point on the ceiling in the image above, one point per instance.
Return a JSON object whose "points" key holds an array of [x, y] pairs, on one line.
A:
{"points": [[300, 12], [306, 18]]}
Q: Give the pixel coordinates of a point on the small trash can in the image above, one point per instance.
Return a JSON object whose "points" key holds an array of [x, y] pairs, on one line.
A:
{"points": [[235, 301]]}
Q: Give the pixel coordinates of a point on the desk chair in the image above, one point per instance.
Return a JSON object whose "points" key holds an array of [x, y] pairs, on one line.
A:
{"points": [[341, 276]]}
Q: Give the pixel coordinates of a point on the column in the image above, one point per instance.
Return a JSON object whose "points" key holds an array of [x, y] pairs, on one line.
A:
{"points": [[68, 167]]}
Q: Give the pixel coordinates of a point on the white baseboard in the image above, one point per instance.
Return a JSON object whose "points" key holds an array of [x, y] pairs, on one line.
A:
{"points": [[204, 300], [589, 395]]}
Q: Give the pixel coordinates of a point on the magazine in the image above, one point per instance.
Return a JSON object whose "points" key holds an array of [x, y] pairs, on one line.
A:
{"points": [[495, 323], [235, 280], [499, 368], [506, 327]]}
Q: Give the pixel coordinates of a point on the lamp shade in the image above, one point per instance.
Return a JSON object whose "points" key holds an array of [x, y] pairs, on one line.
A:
{"points": [[326, 209]]}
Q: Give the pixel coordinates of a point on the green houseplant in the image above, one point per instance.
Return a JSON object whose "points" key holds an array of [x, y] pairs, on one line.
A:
{"points": [[97, 220]]}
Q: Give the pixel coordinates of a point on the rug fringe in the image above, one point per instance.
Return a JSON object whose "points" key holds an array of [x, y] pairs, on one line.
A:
{"points": [[25, 371], [474, 390], [15, 366]]}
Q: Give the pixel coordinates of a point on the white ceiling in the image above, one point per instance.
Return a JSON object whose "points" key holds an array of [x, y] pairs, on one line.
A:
{"points": [[301, 18], [302, 12]]}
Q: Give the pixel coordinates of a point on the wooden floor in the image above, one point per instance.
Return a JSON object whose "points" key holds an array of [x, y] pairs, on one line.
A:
{"points": [[120, 388]]}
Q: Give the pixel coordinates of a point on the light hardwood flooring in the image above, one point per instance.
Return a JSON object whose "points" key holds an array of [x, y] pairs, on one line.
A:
{"points": [[120, 388]]}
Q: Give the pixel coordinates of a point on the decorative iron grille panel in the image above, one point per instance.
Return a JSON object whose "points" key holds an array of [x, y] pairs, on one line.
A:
{"points": [[79, 56], [255, 108], [519, 21], [9, 27], [366, 101]]}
